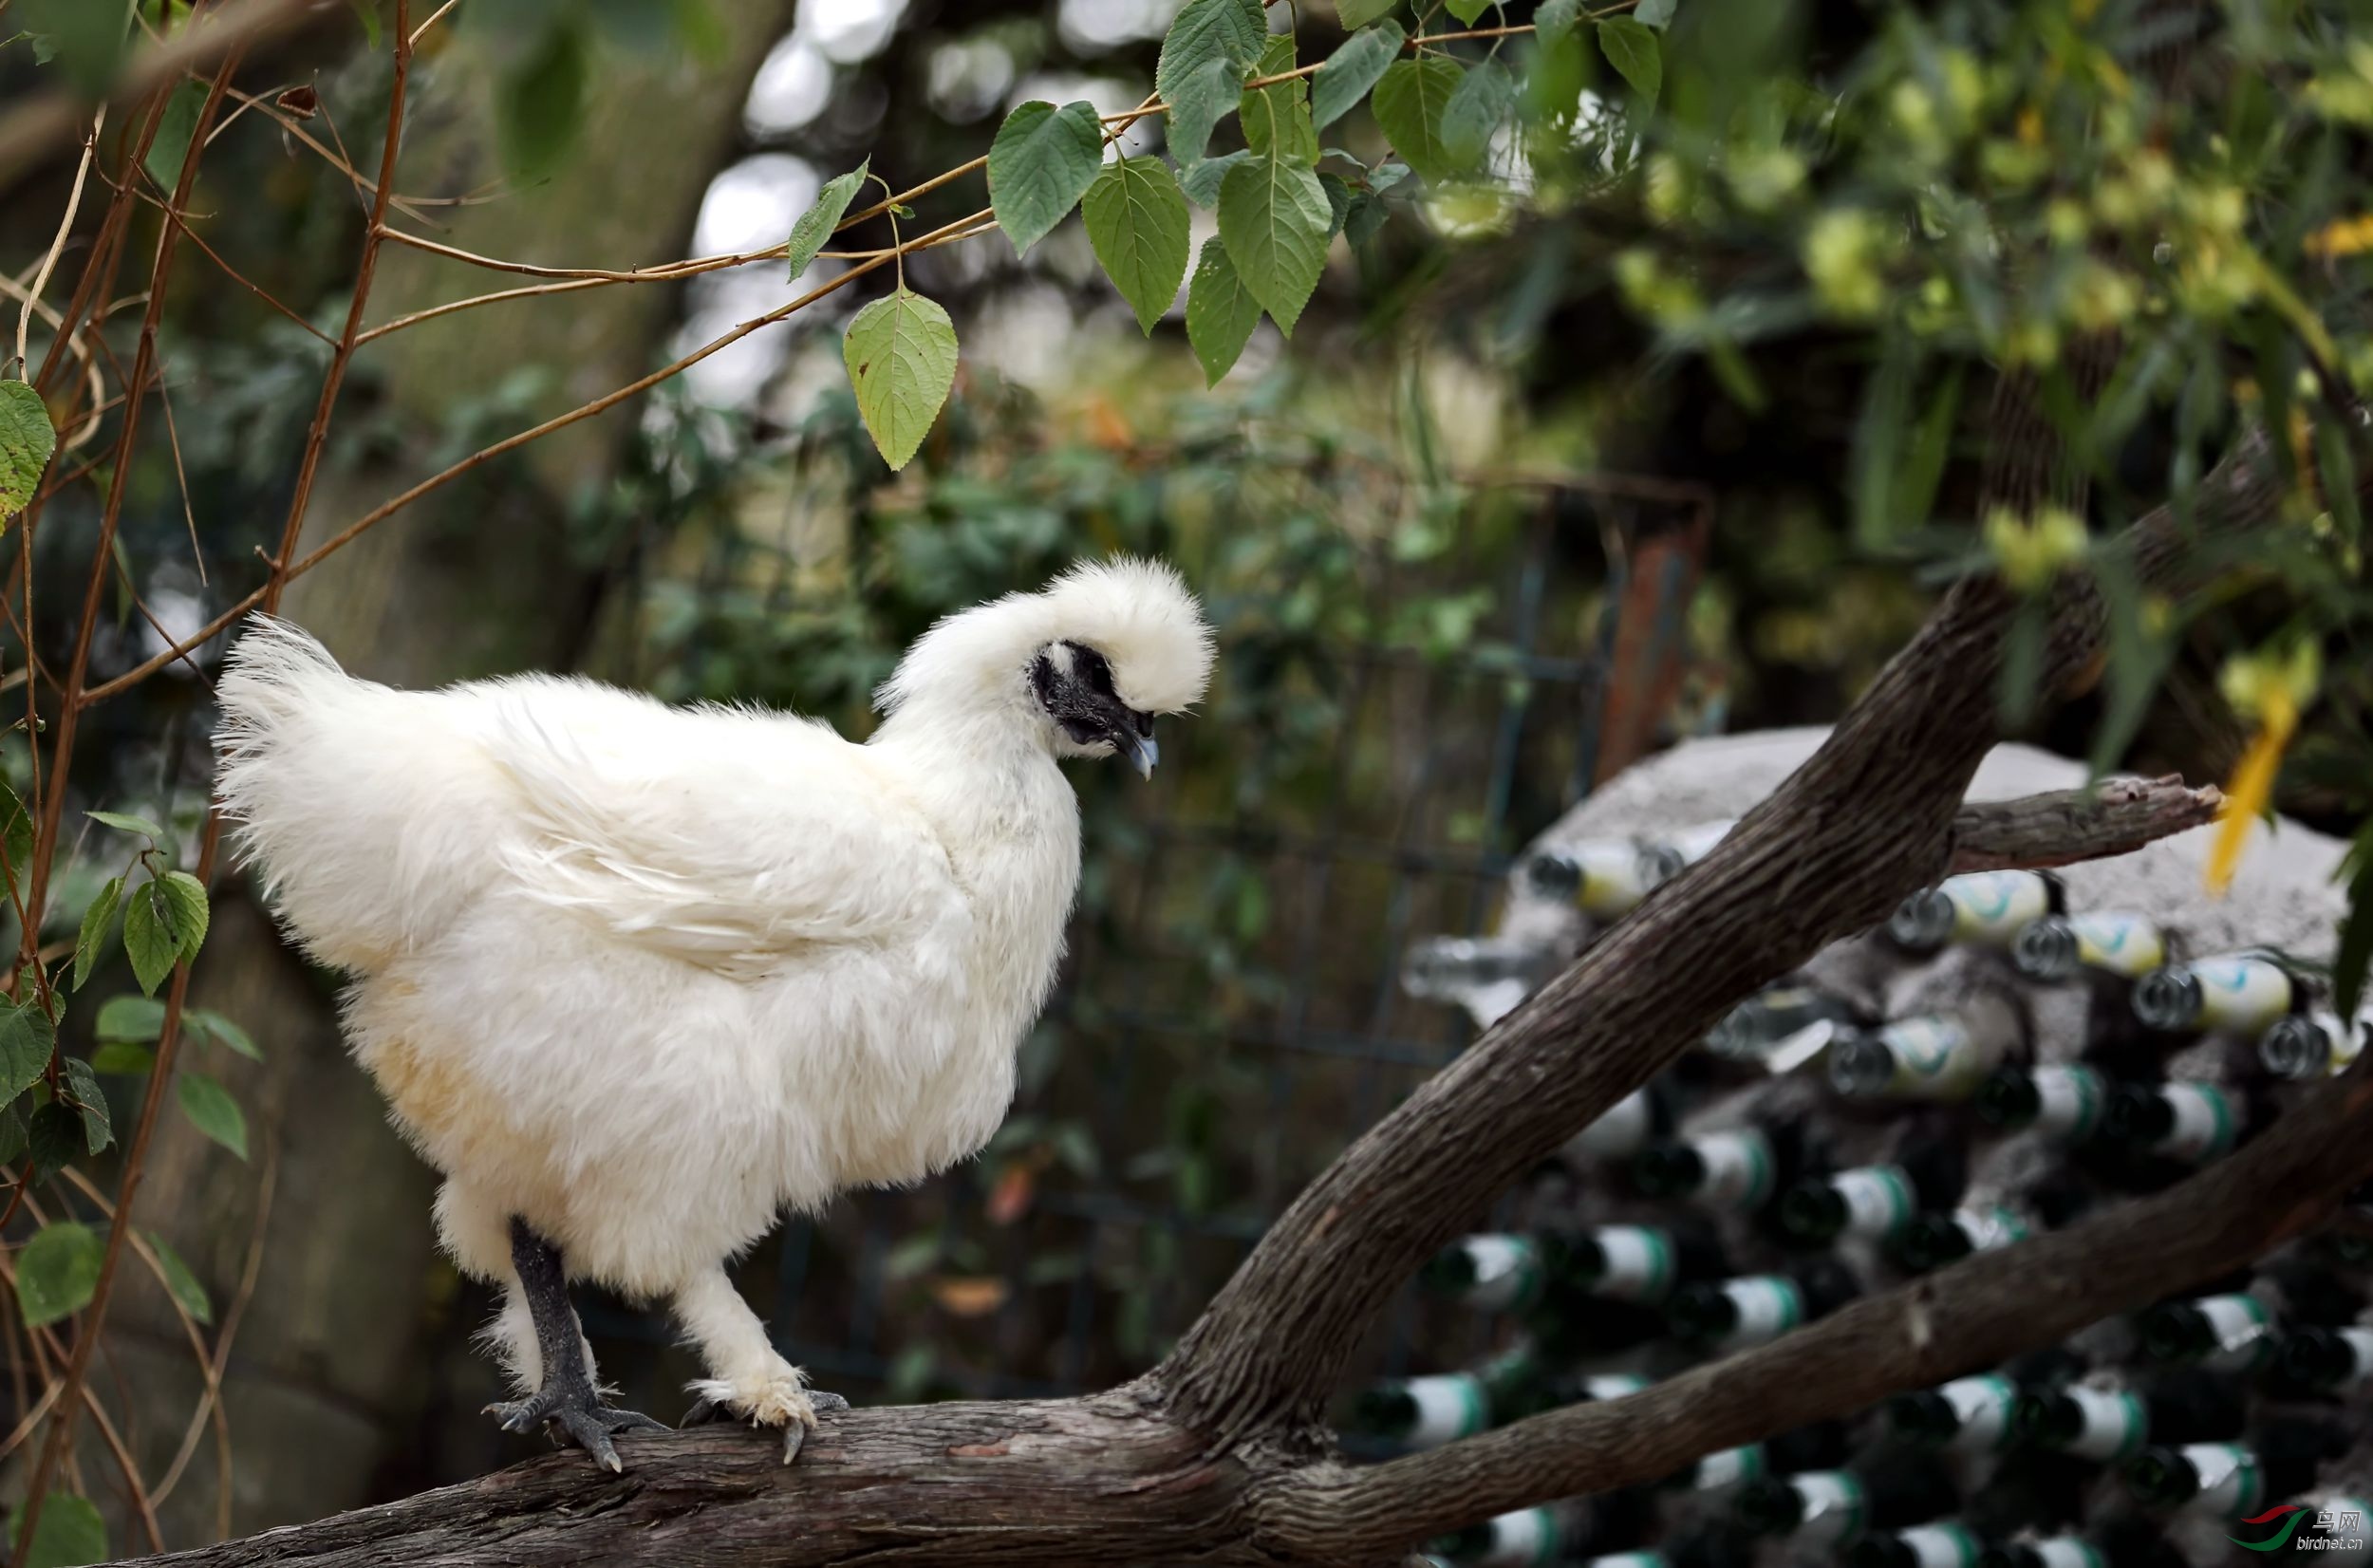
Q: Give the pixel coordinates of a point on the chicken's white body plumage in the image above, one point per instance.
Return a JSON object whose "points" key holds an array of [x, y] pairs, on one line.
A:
{"points": [[647, 977]]}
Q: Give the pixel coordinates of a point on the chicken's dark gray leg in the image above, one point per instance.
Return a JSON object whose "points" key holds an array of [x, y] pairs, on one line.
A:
{"points": [[568, 1398]]}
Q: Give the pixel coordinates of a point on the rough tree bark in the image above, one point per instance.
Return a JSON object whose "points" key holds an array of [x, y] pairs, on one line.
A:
{"points": [[1219, 1456]]}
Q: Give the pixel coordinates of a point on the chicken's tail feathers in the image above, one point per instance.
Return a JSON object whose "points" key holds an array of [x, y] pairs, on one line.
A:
{"points": [[275, 677]]}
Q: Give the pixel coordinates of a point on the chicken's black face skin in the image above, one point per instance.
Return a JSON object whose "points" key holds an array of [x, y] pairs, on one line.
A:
{"points": [[1074, 683]]}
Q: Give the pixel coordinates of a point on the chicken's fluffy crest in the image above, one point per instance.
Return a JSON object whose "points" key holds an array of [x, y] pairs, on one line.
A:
{"points": [[1137, 613]]}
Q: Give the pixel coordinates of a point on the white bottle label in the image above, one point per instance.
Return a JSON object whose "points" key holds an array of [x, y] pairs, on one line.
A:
{"points": [[1936, 1058], [1522, 1540], [1630, 1559], [1730, 1467], [1769, 1306], [2068, 1101], [1622, 1130], [2244, 1337], [1695, 843], [1508, 1272], [1738, 1169], [1613, 1385], [1878, 1199], [1449, 1407], [1991, 907], [1639, 1264], [2230, 1483], [1832, 1507], [2127, 945], [1990, 1229], [1982, 1404], [2360, 1343], [2204, 1122], [2241, 992], [1613, 878], [2070, 1552], [2116, 1426], [1940, 1547]]}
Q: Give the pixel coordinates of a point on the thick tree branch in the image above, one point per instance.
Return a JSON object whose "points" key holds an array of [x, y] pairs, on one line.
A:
{"points": [[2067, 826]]}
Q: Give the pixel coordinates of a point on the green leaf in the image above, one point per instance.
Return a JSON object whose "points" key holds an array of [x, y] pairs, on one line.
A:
{"points": [[1476, 111], [1204, 97], [368, 12], [1634, 51], [1654, 13], [68, 1534], [130, 1018], [1350, 70], [1468, 12], [1221, 312], [1137, 222], [26, 1040], [26, 440], [11, 1134], [1273, 219], [1201, 180], [57, 1271], [54, 1137], [213, 1112], [90, 1102], [1276, 117], [541, 104], [1358, 14], [1554, 20], [124, 1059], [191, 912], [1338, 202], [170, 145], [1409, 103], [1367, 215], [816, 224], [1040, 163], [99, 924], [215, 1026], [127, 822], [900, 353], [181, 1281], [150, 940], [88, 38], [1232, 31]]}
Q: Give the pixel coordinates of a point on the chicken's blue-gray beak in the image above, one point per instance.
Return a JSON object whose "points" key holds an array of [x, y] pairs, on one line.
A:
{"points": [[1140, 750]]}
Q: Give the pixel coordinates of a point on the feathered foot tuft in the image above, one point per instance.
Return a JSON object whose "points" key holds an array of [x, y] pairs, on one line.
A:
{"points": [[780, 1400]]}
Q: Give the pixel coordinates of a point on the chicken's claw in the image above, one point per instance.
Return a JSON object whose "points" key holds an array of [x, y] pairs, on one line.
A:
{"points": [[583, 1419], [705, 1409]]}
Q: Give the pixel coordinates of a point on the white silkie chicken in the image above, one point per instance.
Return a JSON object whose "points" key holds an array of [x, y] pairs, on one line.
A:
{"points": [[638, 980]]}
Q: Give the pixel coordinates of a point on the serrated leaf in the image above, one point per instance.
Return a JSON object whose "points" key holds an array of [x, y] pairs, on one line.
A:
{"points": [[1202, 99], [1358, 14], [215, 1026], [1367, 215], [1338, 202], [26, 440], [181, 1281], [540, 106], [1205, 30], [212, 1111], [1351, 70], [53, 1137], [1276, 117], [191, 912], [900, 353], [57, 1271], [124, 1059], [1137, 222], [1039, 165], [1468, 12], [1221, 312], [26, 1040], [1654, 13], [1409, 101], [150, 940], [1554, 19], [1476, 112], [1201, 180], [170, 147], [81, 1083], [68, 1534], [1634, 51], [129, 1019], [1273, 219], [99, 925], [823, 215], [11, 1134]]}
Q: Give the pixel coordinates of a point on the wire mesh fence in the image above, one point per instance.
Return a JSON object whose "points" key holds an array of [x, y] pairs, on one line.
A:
{"points": [[1180, 1089]]}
